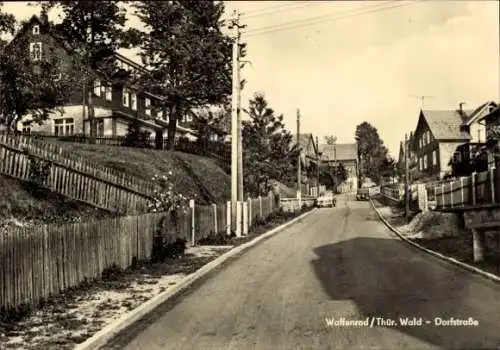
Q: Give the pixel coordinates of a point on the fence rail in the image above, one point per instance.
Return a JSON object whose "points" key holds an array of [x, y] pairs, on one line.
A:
{"points": [[71, 182], [51, 152], [42, 261]]}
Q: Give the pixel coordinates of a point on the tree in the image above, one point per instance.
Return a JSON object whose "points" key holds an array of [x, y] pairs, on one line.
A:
{"points": [[333, 175], [29, 87], [330, 139], [95, 31], [388, 168], [136, 137], [267, 145], [206, 121], [372, 151], [187, 55]]}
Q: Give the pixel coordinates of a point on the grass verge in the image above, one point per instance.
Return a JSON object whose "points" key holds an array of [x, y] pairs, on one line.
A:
{"points": [[75, 315], [437, 236]]}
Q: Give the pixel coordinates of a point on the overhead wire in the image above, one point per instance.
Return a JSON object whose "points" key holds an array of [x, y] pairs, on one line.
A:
{"points": [[267, 8], [320, 19], [296, 7]]}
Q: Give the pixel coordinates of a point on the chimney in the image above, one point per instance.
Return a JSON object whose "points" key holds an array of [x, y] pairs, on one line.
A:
{"points": [[461, 112]]}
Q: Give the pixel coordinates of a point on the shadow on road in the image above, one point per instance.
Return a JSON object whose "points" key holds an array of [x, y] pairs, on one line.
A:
{"points": [[384, 278]]}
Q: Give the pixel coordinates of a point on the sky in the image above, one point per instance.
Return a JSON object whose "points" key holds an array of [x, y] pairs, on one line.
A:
{"points": [[343, 63]]}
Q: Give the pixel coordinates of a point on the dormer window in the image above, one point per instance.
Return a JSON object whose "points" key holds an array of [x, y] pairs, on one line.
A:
{"points": [[36, 29], [36, 51]]}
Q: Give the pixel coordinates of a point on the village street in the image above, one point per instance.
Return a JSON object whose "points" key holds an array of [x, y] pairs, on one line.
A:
{"points": [[336, 263]]}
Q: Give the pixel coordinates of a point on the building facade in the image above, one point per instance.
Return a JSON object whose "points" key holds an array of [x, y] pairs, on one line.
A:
{"points": [[439, 136], [347, 155], [116, 104]]}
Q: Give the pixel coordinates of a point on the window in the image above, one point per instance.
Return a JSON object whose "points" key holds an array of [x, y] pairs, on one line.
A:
{"points": [[189, 118], [133, 101], [147, 106], [429, 136], [420, 163], [64, 126], [97, 87], [36, 29], [26, 127], [100, 127], [434, 157], [109, 92], [426, 164], [36, 51], [126, 98]]}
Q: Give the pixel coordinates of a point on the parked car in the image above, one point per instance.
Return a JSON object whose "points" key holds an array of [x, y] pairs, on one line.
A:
{"points": [[363, 194], [326, 200]]}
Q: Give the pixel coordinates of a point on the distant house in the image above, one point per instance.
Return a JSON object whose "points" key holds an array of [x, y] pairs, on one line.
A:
{"points": [[117, 104], [441, 135], [308, 157], [412, 157], [347, 155]]}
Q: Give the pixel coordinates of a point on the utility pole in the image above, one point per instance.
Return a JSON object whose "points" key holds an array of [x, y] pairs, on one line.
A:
{"points": [[299, 170], [234, 110], [407, 181], [318, 159]]}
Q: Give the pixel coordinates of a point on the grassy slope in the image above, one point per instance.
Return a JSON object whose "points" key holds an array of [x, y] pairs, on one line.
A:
{"points": [[17, 201], [145, 163]]}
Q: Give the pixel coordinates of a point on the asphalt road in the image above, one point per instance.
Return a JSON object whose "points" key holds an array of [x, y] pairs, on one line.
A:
{"points": [[336, 263]]}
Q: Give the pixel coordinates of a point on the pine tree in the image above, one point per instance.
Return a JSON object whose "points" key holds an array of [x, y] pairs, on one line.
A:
{"points": [[268, 153]]}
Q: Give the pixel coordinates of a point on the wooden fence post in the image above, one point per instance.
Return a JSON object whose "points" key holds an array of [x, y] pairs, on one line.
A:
{"points": [[260, 206], [191, 206], [238, 219], [245, 218], [442, 195], [228, 218], [216, 229], [451, 194], [249, 200], [492, 184], [473, 187], [462, 190]]}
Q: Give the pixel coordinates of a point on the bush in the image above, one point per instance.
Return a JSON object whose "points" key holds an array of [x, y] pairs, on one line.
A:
{"points": [[136, 137], [163, 249]]}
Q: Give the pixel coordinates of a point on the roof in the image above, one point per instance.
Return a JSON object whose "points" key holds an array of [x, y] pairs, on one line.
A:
{"points": [[340, 151], [480, 112], [445, 124]]}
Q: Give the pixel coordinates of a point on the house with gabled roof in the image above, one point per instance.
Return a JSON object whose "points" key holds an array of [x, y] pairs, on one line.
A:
{"points": [[116, 104], [440, 133], [347, 155], [308, 158]]}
